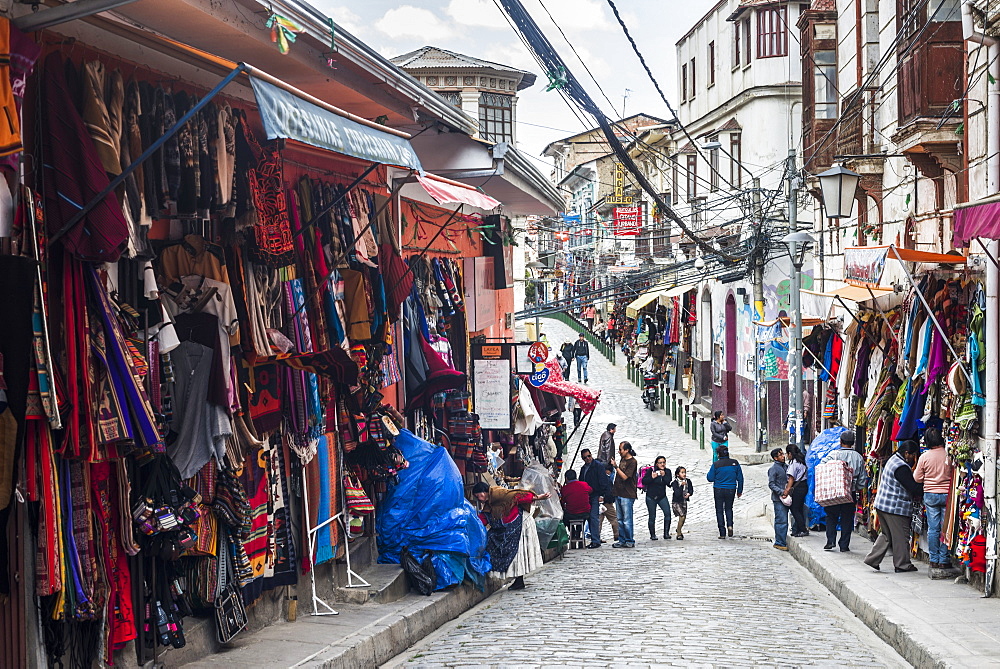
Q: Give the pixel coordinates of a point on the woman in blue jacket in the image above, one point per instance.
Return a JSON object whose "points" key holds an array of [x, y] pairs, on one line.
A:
{"points": [[727, 484]]}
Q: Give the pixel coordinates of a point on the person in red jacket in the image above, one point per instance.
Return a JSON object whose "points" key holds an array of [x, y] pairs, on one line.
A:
{"points": [[575, 498]]}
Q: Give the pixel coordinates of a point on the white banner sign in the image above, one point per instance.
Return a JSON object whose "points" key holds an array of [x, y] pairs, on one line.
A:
{"points": [[491, 393]]}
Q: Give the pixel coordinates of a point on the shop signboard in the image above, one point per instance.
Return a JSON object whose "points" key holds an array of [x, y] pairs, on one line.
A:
{"points": [[491, 393], [286, 116], [863, 265], [628, 221]]}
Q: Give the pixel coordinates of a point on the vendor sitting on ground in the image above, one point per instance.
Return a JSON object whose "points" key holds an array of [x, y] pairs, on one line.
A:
{"points": [[512, 539], [575, 498]]}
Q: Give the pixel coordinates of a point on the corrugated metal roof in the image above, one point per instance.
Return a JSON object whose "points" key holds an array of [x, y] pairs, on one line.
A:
{"points": [[432, 57]]}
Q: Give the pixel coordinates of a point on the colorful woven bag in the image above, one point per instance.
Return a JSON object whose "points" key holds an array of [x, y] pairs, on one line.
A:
{"points": [[357, 500]]}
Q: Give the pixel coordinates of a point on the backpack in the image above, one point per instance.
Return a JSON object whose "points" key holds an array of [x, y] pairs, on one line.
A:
{"points": [[641, 474]]}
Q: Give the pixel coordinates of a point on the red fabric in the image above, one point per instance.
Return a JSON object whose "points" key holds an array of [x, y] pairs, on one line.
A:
{"points": [[576, 497], [445, 193], [585, 396], [74, 175]]}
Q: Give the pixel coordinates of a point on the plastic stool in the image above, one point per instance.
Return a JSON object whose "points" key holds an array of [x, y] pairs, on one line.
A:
{"points": [[575, 528]]}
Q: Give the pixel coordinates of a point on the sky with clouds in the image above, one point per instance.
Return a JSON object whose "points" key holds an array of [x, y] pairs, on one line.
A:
{"points": [[479, 28]]}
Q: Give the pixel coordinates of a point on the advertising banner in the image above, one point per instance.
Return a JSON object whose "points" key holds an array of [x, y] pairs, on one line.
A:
{"points": [[628, 221]]}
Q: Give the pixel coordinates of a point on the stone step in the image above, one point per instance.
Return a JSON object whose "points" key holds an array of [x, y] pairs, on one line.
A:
{"points": [[387, 584]]}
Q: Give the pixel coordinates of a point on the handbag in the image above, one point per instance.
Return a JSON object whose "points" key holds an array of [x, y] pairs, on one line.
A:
{"points": [[357, 500], [786, 500], [833, 483], [230, 612]]}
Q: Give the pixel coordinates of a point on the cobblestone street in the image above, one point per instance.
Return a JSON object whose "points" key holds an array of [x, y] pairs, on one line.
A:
{"points": [[700, 602]]}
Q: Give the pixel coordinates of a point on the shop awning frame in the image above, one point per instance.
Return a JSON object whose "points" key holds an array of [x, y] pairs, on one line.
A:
{"points": [[869, 266]]}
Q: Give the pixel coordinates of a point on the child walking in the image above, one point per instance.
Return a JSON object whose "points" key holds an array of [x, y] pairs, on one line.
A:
{"points": [[683, 489]]}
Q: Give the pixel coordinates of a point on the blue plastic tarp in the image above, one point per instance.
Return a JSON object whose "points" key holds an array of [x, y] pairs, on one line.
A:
{"points": [[826, 441], [427, 512]]}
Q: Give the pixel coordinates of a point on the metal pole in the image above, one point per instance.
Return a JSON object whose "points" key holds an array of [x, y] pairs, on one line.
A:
{"points": [[796, 370], [538, 295], [760, 382]]}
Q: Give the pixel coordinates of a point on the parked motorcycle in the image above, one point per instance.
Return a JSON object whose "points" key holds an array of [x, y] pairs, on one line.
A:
{"points": [[650, 389]]}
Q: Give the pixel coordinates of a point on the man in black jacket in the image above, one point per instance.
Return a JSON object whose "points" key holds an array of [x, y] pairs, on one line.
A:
{"points": [[582, 352], [594, 474]]}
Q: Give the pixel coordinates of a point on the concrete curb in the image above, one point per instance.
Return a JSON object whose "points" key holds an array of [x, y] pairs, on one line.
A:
{"points": [[380, 641], [912, 644]]}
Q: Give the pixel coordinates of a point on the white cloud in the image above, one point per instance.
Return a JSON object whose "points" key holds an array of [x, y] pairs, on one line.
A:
{"points": [[410, 21], [343, 16], [477, 13], [575, 15]]}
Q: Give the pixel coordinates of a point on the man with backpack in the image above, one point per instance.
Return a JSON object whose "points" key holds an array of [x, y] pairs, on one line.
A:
{"points": [[568, 352], [843, 514]]}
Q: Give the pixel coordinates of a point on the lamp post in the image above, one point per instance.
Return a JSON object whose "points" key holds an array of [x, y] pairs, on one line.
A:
{"points": [[798, 243], [536, 270]]}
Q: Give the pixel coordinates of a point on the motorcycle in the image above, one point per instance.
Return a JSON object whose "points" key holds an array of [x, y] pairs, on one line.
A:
{"points": [[650, 389]]}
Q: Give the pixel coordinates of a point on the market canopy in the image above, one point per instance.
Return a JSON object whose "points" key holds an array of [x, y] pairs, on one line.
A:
{"points": [[446, 191], [863, 265], [977, 219], [632, 310], [300, 117], [677, 291]]}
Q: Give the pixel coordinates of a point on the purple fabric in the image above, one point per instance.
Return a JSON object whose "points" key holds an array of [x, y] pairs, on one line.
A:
{"points": [[861, 367], [938, 362], [979, 221]]}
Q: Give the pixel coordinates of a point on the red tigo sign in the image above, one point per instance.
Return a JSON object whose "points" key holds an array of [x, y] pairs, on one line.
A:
{"points": [[628, 221]]}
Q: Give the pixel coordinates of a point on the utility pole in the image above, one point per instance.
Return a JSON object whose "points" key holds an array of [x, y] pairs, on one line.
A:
{"points": [[538, 295], [760, 377], [798, 257]]}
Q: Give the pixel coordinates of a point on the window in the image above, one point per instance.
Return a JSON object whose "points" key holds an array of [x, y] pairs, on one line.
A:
{"points": [[694, 83], [825, 83], [772, 32], [692, 177], [713, 161], [735, 160], [737, 31], [675, 184], [711, 63], [496, 122], [684, 82], [746, 42]]}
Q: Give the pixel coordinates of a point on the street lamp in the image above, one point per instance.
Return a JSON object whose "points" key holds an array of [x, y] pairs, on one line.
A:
{"points": [[536, 268], [798, 244], [839, 185]]}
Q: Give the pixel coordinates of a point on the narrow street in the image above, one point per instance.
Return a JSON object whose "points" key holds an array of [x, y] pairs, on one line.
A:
{"points": [[700, 602]]}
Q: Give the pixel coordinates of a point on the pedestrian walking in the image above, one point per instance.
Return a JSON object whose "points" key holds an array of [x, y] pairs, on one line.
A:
{"points": [[577, 410], [568, 351], [590, 313], [797, 487], [606, 446], [934, 472], [575, 495], [594, 474], [625, 491], [582, 352], [512, 538], [727, 484], [656, 483], [720, 433], [777, 481], [894, 508], [842, 515], [683, 489]]}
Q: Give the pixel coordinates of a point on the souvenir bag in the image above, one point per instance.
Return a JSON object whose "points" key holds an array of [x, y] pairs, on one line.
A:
{"points": [[833, 483], [230, 612], [357, 500]]}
